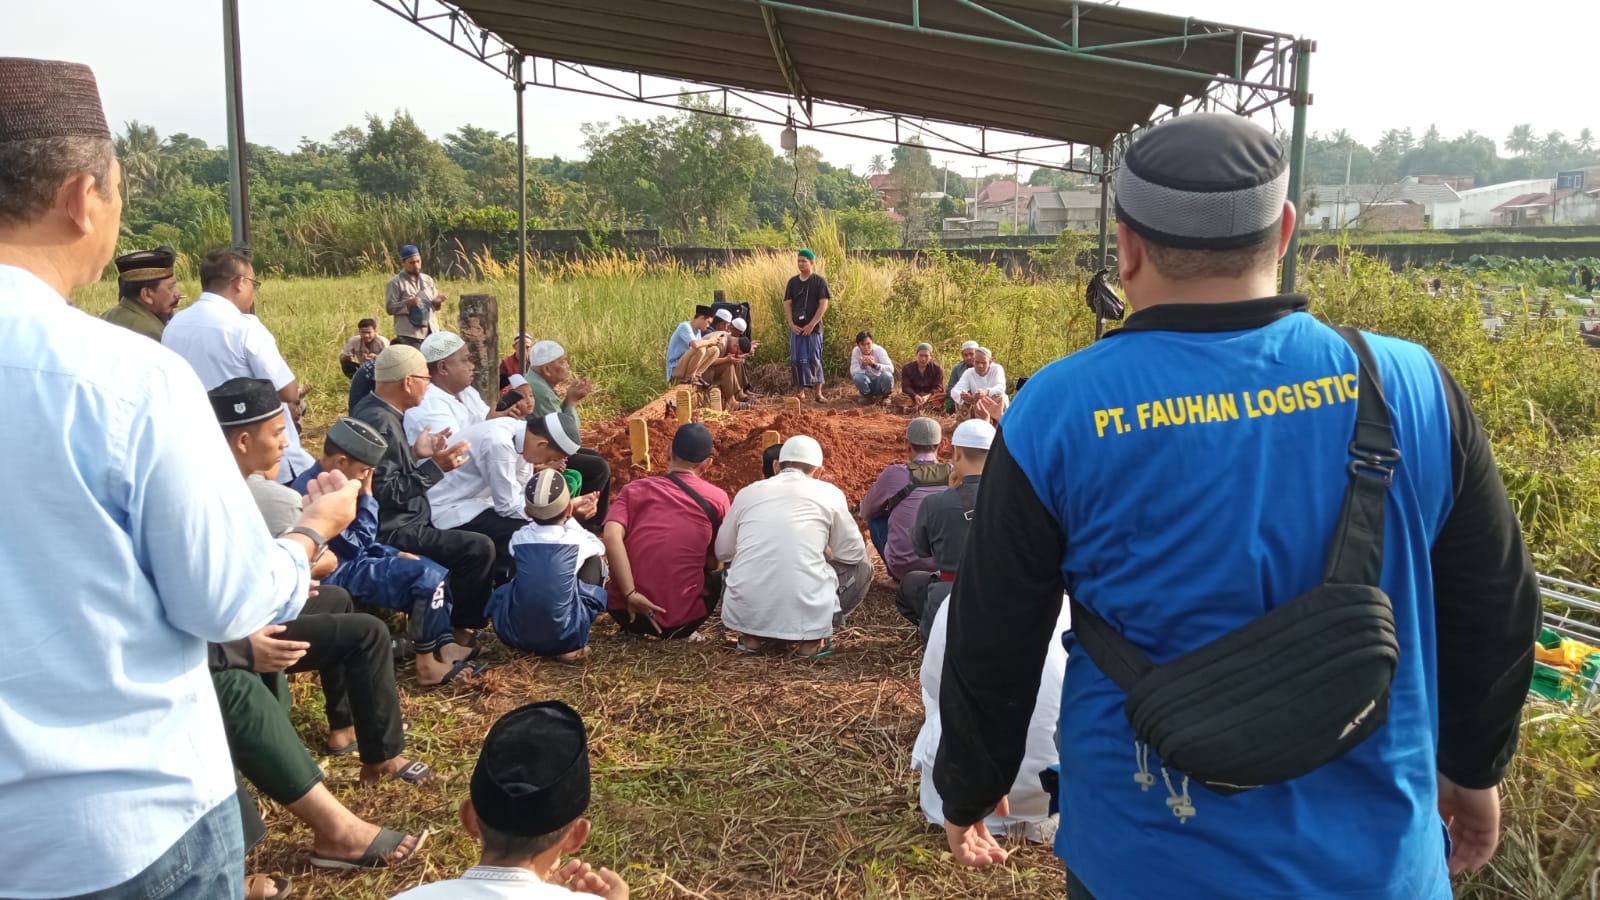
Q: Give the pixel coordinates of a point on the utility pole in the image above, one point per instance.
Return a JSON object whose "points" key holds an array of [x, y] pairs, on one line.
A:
{"points": [[1016, 193]]}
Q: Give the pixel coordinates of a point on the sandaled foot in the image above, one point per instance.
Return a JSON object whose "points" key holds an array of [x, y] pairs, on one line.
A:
{"points": [[461, 668], [818, 649], [267, 887], [750, 645], [410, 771], [389, 849]]}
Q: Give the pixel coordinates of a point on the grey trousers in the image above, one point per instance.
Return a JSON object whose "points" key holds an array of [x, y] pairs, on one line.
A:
{"points": [[854, 579]]}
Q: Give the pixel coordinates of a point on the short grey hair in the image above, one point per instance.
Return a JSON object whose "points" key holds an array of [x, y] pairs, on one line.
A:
{"points": [[32, 171], [924, 346]]}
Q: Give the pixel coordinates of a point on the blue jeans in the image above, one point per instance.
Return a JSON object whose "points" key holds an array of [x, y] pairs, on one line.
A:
{"points": [[879, 530], [207, 863], [881, 383]]}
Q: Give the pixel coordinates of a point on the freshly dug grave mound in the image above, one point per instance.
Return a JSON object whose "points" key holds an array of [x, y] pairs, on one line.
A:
{"points": [[857, 443]]}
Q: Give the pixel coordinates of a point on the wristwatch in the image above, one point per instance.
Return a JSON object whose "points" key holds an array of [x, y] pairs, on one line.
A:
{"points": [[320, 542]]}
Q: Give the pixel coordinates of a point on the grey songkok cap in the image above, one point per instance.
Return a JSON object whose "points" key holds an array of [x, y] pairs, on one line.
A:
{"points": [[1205, 181]]}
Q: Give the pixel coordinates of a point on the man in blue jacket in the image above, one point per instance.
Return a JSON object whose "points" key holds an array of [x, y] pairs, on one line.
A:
{"points": [[1182, 478]]}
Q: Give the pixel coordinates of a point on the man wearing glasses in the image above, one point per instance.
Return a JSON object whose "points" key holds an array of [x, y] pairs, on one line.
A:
{"points": [[400, 483], [221, 338]]}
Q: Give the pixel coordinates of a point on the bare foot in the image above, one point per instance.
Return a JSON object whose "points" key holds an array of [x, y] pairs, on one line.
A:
{"points": [[341, 738]]}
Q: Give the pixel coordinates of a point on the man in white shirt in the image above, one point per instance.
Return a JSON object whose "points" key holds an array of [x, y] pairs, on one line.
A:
{"points": [[452, 403], [1028, 814], [529, 792], [796, 562], [220, 336], [870, 368], [981, 390], [114, 771], [485, 494]]}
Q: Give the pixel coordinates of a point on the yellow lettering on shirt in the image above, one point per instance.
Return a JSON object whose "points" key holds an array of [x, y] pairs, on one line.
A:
{"points": [[1204, 409]]}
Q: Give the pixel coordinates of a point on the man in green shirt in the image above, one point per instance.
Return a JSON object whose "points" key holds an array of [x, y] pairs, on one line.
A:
{"points": [[548, 369], [148, 292]]}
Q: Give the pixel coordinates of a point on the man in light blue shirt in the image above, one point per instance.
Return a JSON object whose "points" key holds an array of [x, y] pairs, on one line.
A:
{"points": [[688, 351], [129, 517]]}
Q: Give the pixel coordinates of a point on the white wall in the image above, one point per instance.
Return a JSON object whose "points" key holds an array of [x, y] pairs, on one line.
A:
{"points": [[1477, 205]]}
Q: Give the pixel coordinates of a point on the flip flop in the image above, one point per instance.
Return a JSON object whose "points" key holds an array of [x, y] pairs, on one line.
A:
{"points": [[823, 652], [376, 855], [414, 773], [255, 887], [742, 647], [463, 667]]}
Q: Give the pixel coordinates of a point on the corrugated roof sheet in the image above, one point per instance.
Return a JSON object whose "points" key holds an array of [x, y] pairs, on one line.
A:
{"points": [[1025, 86]]}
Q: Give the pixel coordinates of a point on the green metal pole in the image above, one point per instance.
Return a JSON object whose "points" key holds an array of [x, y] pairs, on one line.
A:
{"points": [[1297, 152]]}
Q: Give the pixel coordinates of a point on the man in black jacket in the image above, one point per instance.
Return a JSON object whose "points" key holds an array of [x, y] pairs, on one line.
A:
{"points": [[400, 483]]}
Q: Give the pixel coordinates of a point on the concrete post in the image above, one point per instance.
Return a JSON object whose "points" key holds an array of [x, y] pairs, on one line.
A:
{"points": [[639, 443], [685, 406], [480, 328], [791, 405], [768, 438]]}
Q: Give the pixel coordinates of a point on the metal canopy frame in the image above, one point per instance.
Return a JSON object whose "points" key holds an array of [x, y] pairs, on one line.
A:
{"points": [[1119, 87]]}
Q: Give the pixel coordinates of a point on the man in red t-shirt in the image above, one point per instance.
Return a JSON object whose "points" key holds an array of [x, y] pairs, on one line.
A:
{"points": [[667, 523]]}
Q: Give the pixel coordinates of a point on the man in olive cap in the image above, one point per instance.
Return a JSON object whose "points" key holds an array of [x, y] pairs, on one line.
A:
{"points": [[529, 792], [114, 776], [1183, 478], [413, 299], [147, 292]]}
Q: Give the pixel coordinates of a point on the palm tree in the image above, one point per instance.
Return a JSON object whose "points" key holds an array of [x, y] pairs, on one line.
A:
{"points": [[140, 151], [877, 165], [1585, 141], [1554, 144], [1521, 140]]}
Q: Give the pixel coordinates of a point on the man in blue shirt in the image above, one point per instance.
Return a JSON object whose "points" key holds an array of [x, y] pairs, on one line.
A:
{"points": [[689, 351], [114, 771], [1180, 479]]}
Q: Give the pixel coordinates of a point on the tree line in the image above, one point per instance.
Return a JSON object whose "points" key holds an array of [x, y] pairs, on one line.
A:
{"points": [[1399, 152]]}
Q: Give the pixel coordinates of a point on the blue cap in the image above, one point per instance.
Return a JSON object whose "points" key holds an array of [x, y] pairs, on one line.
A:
{"points": [[408, 250]]}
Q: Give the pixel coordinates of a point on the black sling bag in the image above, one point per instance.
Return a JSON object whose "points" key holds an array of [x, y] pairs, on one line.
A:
{"points": [[1295, 688]]}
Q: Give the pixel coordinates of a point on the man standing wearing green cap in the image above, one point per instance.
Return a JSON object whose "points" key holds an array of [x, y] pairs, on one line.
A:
{"points": [[805, 302]]}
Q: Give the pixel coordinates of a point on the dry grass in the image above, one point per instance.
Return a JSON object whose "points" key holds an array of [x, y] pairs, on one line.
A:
{"points": [[715, 775]]}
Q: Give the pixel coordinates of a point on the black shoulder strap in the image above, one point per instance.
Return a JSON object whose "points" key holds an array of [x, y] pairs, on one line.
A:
{"points": [[705, 506], [1355, 556]]}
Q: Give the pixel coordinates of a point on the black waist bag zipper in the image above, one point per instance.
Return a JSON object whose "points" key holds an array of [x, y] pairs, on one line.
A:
{"points": [[1293, 689]]}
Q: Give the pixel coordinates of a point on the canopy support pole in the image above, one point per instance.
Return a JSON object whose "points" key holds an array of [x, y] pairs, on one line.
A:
{"points": [[1105, 237], [517, 343], [238, 154], [1301, 98]]}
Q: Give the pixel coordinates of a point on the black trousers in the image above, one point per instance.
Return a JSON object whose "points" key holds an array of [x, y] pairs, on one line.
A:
{"points": [[912, 595], [499, 529], [641, 625], [596, 474], [349, 366], [469, 557], [352, 653]]}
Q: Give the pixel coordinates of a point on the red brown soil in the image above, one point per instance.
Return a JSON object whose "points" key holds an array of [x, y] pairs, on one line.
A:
{"points": [[857, 442]]}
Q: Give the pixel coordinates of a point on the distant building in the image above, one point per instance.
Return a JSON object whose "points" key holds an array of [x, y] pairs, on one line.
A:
{"points": [[1001, 201], [1478, 204], [1052, 212], [1383, 207], [890, 194], [1562, 206]]}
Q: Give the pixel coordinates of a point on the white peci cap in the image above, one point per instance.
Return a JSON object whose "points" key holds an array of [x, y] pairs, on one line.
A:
{"points": [[801, 449], [973, 434]]}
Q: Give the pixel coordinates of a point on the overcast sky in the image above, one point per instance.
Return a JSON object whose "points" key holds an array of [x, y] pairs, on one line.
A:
{"points": [[314, 66]]}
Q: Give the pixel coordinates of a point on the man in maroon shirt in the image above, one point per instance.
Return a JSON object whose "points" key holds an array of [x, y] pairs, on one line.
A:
{"points": [[667, 523], [921, 382]]}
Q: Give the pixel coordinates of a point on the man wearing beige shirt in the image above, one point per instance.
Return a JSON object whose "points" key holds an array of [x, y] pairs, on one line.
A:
{"points": [[413, 300]]}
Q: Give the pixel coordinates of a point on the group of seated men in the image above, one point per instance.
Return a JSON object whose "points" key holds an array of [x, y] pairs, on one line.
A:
{"points": [[710, 350], [975, 387]]}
